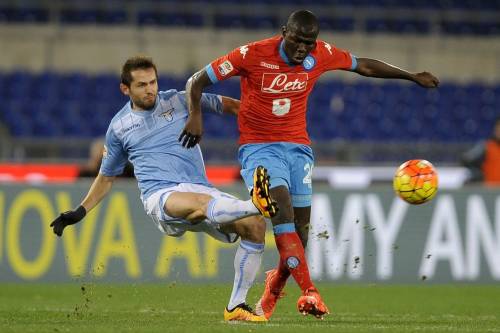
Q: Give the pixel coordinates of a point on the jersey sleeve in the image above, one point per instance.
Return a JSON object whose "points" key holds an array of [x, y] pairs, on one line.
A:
{"points": [[229, 65], [114, 158], [211, 103], [336, 58]]}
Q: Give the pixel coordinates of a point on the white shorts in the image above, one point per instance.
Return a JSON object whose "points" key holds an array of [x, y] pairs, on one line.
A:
{"points": [[176, 227]]}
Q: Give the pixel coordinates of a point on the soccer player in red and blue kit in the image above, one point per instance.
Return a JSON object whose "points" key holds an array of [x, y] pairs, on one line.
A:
{"points": [[277, 75]]}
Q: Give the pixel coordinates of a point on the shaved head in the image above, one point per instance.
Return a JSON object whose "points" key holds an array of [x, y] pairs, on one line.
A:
{"points": [[303, 21]]}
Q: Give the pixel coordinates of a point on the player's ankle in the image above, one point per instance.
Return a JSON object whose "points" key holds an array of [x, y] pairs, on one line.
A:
{"points": [[311, 288]]}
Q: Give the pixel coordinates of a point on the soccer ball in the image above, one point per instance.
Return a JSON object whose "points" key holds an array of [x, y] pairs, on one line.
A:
{"points": [[416, 181]]}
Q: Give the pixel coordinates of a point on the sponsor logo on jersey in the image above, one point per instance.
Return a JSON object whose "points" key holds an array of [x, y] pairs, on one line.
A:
{"points": [[278, 83], [131, 127], [270, 66], [309, 63], [244, 50], [225, 68]]}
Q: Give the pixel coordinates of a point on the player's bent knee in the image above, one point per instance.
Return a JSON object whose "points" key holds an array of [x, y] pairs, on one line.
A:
{"points": [[202, 202], [199, 208], [196, 217]]}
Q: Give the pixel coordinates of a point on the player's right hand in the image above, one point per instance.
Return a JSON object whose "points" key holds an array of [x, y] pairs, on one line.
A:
{"points": [[68, 218], [191, 135]]}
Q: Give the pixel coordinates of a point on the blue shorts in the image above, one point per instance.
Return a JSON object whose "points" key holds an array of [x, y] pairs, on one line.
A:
{"points": [[288, 164]]}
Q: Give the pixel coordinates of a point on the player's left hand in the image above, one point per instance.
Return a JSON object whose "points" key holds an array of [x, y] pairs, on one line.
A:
{"points": [[426, 80], [191, 135]]}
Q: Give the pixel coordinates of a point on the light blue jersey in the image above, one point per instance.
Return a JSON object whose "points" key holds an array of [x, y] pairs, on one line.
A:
{"points": [[149, 140]]}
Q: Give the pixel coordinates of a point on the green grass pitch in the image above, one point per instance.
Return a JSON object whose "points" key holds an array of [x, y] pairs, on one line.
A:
{"points": [[89, 307]]}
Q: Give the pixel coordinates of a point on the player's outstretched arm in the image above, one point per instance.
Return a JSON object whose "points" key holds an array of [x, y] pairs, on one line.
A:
{"points": [[193, 130], [376, 68], [230, 105], [101, 186]]}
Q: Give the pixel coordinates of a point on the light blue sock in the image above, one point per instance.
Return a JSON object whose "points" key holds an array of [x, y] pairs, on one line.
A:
{"points": [[246, 265]]}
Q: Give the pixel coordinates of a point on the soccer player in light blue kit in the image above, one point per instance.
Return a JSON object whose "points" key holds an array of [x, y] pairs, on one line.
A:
{"points": [[172, 180]]}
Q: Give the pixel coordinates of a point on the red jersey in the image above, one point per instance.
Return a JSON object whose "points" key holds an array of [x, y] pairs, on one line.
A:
{"points": [[274, 92]]}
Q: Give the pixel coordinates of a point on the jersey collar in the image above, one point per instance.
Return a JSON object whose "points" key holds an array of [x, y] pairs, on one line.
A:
{"points": [[283, 54]]}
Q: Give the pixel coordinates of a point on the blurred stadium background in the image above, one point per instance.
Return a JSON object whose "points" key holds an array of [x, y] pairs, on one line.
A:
{"points": [[60, 61], [59, 77]]}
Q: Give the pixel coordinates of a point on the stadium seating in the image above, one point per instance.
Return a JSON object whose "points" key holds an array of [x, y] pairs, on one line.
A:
{"points": [[26, 15], [455, 17], [93, 16], [81, 105]]}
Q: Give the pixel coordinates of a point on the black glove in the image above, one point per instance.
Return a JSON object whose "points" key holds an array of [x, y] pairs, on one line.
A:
{"points": [[68, 218]]}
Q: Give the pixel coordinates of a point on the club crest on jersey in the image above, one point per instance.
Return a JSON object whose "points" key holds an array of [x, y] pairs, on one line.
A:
{"points": [[309, 63], [278, 83], [167, 110], [167, 115], [225, 68]]}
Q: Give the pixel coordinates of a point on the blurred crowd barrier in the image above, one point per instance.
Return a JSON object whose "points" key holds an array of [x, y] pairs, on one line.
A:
{"points": [[338, 177], [365, 235]]}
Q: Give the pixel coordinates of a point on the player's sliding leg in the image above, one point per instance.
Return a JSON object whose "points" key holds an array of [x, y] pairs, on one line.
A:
{"points": [[292, 258], [196, 207], [246, 264], [225, 210], [193, 207]]}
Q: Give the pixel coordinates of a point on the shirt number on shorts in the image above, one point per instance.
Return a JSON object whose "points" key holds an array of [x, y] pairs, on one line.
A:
{"points": [[281, 106], [308, 178]]}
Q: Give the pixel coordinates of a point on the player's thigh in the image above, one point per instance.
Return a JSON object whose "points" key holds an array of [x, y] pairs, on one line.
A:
{"points": [[271, 156], [252, 228], [302, 163], [187, 205]]}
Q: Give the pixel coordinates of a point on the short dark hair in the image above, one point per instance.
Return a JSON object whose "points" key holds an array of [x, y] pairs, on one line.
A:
{"points": [[302, 19], [134, 63]]}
